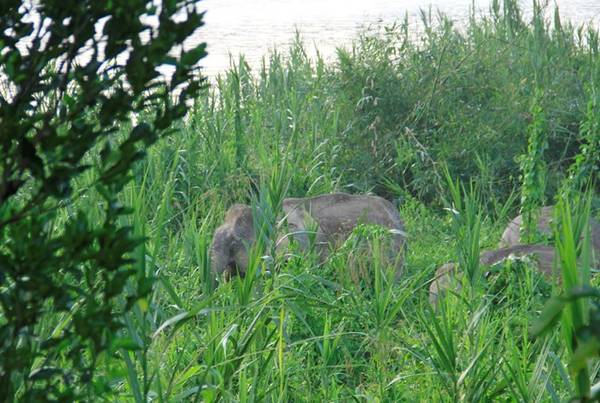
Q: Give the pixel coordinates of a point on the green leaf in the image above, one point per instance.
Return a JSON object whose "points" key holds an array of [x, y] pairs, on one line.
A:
{"points": [[550, 316], [584, 352], [125, 343], [191, 57], [44, 373]]}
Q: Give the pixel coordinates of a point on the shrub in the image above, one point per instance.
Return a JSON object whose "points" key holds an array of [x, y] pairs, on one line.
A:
{"points": [[442, 98], [72, 73]]}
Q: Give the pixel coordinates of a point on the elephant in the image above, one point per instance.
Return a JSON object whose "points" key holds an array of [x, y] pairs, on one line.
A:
{"points": [[544, 257], [231, 241], [326, 220], [512, 235]]}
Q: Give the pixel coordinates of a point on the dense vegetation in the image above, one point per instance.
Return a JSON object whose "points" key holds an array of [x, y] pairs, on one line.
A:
{"points": [[507, 105], [71, 73]]}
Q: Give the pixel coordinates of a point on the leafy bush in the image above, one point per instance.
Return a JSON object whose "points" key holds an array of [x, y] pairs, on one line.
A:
{"points": [[462, 96], [72, 75], [533, 170]]}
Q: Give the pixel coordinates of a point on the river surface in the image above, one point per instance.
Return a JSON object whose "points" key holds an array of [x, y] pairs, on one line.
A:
{"points": [[253, 27]]}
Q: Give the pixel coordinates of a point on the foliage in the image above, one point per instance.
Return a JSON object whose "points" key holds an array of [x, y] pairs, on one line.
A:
{"points": [[464, 206], [584, 171], [516, 279], [304, 331], [533, 171], [585, 341], [579, 318], [440, 98], [72, 74], [299, 330]]}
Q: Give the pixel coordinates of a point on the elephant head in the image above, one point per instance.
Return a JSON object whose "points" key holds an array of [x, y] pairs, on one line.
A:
{"points": [[231, 242]]}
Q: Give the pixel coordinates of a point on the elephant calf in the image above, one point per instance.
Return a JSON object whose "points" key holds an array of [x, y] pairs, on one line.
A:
{"points": [[328, 219]]}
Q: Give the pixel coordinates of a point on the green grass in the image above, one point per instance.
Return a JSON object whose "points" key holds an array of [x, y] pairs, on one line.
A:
{"points": [[388, 116]]}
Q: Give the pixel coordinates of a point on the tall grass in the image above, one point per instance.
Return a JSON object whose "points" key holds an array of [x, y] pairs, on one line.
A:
{"points": [[533, 171], [385, 117]]}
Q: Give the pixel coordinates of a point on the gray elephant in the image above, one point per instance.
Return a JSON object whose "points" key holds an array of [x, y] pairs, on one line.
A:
{"points": [[544, 257], [512, 234], [326, 220]]}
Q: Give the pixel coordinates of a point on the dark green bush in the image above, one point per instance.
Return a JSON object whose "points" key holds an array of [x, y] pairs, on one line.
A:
{"points": [[72, 74], [462, 96]]}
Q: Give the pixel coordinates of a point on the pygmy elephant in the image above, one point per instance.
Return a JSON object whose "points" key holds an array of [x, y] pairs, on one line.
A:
{"points": [[544, 257], [512, 234], [326, 220]]}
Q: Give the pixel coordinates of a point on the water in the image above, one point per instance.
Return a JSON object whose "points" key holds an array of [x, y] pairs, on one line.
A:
{"points": [[254, 27]]}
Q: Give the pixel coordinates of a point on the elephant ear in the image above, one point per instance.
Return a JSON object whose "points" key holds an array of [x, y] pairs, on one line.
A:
{"points": [[244, 226], [296, 218], [220, 250], [242, 239]]}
